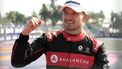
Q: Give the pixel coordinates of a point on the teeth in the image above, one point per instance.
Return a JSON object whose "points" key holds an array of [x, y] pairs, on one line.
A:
{"points": [[69, 22]]}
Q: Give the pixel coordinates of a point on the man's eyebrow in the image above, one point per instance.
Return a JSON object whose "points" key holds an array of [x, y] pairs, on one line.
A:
{"points": [[65, 9]]}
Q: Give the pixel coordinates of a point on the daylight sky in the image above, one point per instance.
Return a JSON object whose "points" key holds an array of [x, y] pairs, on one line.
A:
{"points": [[28, 6]]}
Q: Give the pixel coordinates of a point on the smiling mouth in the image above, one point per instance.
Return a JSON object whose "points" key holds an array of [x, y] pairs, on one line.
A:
{"points": [[69, 22]]}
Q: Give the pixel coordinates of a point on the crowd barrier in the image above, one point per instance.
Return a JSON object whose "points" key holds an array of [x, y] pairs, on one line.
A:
{"points": [[12, 33]]}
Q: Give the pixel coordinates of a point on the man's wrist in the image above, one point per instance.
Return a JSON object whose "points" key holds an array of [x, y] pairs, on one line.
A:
{"points": [[23, 38], [24, 33]]}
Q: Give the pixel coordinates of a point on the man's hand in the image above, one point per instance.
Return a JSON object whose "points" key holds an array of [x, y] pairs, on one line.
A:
{"points": [[32, 24]]}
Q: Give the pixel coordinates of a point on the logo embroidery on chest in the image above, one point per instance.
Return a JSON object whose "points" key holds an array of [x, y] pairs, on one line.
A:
{"points": [[83, 49], [54, 58], [87, 50], [80, 48]]}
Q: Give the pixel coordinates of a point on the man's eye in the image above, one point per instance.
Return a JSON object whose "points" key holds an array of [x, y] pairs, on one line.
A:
{"points": [[65, 13], [75, 14]]}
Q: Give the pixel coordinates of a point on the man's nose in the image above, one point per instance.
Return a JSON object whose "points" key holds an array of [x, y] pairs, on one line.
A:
{"points": [[69, 17]]}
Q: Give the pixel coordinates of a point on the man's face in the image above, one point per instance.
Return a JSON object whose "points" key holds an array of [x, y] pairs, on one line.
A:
{"points": [[72, 20]]}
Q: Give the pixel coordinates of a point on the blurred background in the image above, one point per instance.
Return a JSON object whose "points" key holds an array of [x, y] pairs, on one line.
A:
{"points": [[104, 23]]}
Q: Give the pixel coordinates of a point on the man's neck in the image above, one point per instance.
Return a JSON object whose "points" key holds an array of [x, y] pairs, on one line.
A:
{"points": [[76, 32]]}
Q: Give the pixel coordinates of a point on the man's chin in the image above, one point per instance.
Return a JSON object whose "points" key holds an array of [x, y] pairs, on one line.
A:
{"points": [[70, 29]]}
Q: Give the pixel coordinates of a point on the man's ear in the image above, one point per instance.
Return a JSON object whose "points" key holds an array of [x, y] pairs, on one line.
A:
{"points": [[85, 16]]}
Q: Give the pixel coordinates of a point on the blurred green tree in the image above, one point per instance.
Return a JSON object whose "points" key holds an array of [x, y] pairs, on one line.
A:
{"points": [[101, 16], [116, 21], [20, 18], [52, 13], [11, 16], [0, 16], [45, 13], [52, 5], [16, 18], [55, 15], [96, 18], [4, 21]]}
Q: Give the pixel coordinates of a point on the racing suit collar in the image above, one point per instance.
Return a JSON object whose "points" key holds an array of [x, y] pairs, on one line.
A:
{"points": [[73, 38]]}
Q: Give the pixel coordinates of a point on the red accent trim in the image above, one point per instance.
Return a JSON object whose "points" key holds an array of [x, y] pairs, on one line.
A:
{"points": [[73, 38], [69, 60], [50, 35], [96, 44], [68, 37], [59, 32]]}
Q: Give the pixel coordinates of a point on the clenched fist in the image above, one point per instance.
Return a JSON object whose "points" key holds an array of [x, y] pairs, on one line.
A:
{"points": [[32, 24]]}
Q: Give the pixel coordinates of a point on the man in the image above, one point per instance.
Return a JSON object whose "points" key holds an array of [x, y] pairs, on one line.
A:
{"points": [[70, 48]]}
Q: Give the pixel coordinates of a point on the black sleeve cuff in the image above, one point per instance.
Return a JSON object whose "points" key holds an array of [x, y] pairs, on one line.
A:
{"points": [[23, 38]]}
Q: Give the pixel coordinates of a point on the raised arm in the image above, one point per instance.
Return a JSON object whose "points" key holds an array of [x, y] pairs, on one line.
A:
{"points": [[24, 53]]}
